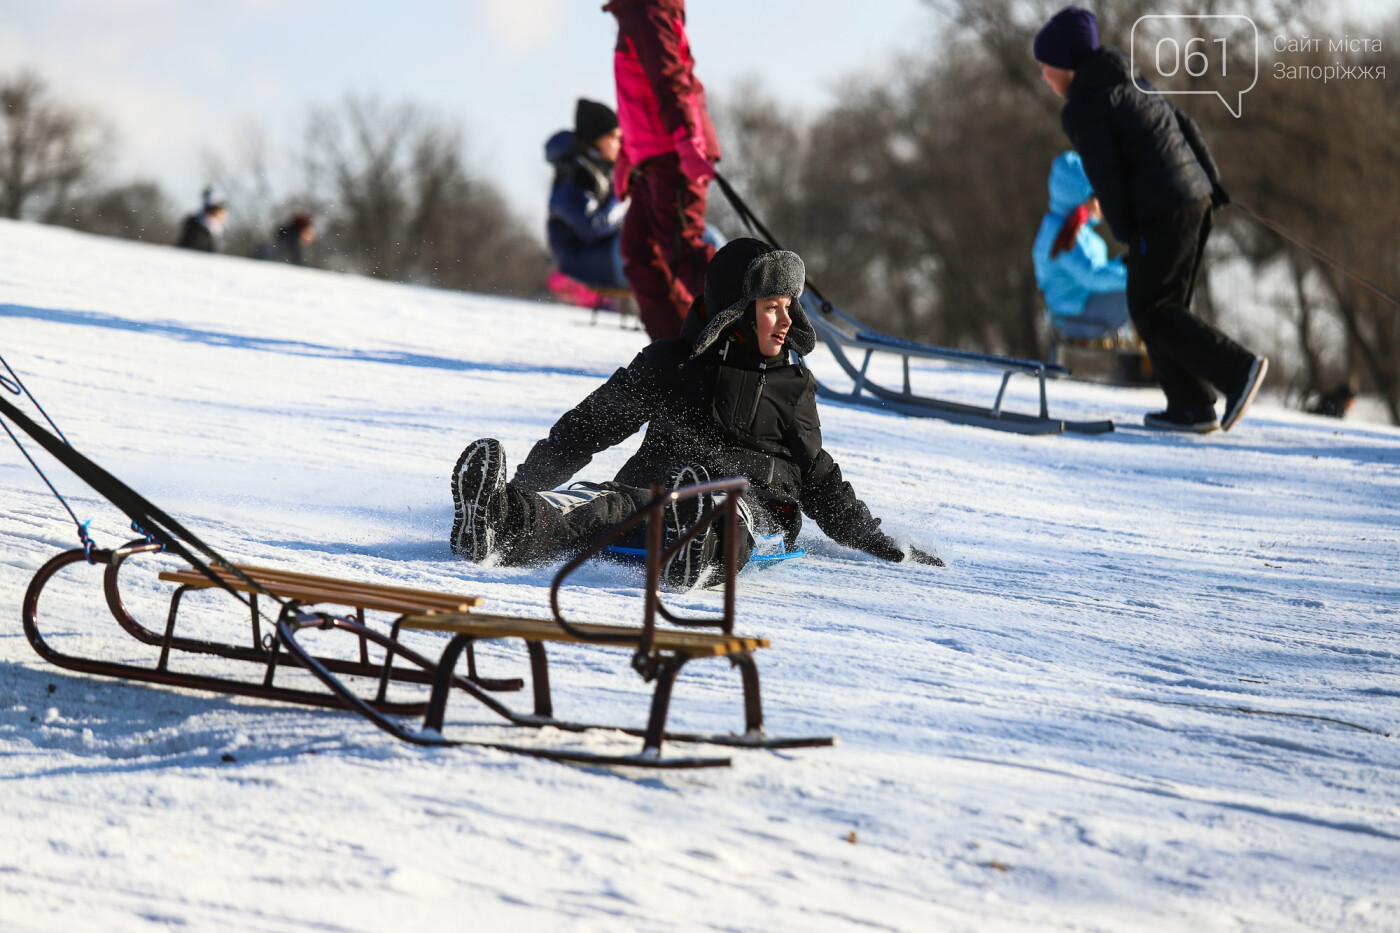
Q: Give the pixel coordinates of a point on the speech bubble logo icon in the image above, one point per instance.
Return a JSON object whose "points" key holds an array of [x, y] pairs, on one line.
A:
{"points": [[1210, 53]]}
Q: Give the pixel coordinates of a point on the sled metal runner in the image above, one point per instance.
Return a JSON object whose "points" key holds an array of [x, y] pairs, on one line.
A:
{"points": [[658, 655], [263, 651], [840, 332]]}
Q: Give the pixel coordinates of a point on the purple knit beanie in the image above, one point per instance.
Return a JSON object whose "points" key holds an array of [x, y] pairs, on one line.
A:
{"points": [[1070, 35]]}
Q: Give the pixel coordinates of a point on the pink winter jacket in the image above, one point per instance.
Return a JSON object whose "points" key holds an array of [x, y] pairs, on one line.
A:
{"points": [[657, 91]]}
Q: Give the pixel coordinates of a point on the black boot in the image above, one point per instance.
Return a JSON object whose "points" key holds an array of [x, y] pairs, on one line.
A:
{"points": [[478, 499], [691, 563]]}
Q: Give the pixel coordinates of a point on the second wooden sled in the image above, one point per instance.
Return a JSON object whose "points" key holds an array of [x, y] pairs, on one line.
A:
{"points": [[658, 654]]}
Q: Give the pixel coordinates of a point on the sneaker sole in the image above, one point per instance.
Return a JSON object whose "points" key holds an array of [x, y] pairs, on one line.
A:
{"points": [[479, 471], [687, 566], [1256, 379], [1204, 427]]}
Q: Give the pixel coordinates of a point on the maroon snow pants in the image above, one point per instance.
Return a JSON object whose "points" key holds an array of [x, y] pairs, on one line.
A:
{"points": [[663, 255]]}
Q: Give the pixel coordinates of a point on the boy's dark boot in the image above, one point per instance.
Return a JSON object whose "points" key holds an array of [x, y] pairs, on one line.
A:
{"points": [[690, 564], [491, 516], [478, 499]]}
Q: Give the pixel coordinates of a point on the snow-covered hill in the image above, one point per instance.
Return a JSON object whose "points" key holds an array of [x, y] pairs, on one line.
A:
{"points": [[1048, 734]]}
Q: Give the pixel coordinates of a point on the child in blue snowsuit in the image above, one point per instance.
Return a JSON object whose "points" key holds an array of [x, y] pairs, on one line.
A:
{"points": [[1085, 291]]}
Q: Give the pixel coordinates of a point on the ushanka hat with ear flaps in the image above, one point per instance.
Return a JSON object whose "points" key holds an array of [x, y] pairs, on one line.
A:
{"points": [[766, 272]]}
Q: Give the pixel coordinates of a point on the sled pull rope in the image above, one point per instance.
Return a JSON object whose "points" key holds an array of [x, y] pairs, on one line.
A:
{"points": [[150, 520], [13, 384], [1317, 254]]}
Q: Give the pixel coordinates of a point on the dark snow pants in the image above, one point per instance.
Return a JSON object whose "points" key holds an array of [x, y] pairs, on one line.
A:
{"points": [[566, 521], [1188, 355], [663, 253]]}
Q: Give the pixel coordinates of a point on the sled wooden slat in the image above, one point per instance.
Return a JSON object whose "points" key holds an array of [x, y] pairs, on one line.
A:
{"points": [[480, 625], [313, 588]]}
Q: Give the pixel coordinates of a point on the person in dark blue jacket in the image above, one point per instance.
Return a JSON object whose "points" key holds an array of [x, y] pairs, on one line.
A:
{"points": [[1157, 185], [585, 216], [1084, 289]]}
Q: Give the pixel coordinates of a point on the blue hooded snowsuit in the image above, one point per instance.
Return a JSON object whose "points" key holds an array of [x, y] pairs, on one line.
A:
{"points": [[1068, 280], [585, 218]]}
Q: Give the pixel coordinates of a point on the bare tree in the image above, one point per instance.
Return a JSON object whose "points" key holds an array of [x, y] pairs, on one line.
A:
{"points": [[400, 203], [48, 150], [138, 210]]}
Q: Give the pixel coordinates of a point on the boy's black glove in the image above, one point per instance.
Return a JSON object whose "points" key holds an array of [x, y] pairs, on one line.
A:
{"points": [[923, 557], [1219, 197]]}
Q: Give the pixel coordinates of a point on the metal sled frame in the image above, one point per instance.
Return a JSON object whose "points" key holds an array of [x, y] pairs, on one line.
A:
{"points": [[659, 654], [263, 650], [840, 331]]}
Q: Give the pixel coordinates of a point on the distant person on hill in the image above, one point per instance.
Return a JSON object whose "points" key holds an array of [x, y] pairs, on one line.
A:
{"points": [[290, 241], [1157, 184], [669, 146], [585, 215], [1085, 291], [205, 230], [1336, 402], [729, 397]]}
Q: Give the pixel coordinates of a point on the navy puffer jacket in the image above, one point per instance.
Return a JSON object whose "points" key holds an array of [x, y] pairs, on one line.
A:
{"points": [[1144, 156], [584, 214]]}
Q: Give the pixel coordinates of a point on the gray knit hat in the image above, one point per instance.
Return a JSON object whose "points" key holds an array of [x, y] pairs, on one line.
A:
{"points": [[779, 272]]}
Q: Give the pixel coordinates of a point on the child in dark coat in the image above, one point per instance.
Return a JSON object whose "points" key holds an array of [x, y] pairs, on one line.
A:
{"points": [[585, 215], [1157, 184], [729, 397]]}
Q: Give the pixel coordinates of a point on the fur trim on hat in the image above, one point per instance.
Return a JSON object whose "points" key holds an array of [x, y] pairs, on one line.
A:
{"points": [[777, 273]]}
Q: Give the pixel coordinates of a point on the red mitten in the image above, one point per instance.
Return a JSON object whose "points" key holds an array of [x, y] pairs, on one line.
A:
{"points": [[695, 165]]}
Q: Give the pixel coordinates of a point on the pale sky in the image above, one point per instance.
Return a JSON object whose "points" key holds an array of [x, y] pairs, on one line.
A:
{"points": [[178, 77]]}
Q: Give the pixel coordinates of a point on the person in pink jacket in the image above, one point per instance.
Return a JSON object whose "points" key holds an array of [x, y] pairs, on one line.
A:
{"points": [[669, 148]]}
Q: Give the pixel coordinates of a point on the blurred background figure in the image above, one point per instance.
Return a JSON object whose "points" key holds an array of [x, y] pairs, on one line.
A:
{"points": [[204, 231], [1336, 402], [1085, 291], [289, 242], [669, 147], [585, 215]]}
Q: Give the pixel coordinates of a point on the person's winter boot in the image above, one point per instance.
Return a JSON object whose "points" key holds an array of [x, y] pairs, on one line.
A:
{"points": [[691, 562], [1242, 393], [478, 499], [1191, 420]]}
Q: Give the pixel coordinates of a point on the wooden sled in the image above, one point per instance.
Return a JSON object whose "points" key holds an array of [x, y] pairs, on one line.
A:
{"points": [[657, 654]]}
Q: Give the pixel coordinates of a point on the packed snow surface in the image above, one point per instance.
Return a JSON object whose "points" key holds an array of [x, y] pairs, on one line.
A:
{"points": [[1155, 688]]}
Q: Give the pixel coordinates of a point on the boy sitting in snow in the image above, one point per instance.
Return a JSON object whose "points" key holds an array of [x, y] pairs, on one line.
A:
{"points": [[729, 397]]}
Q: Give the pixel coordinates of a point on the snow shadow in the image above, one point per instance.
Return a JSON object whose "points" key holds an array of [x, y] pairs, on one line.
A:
{"points": [[297, 348], [114, 726]]}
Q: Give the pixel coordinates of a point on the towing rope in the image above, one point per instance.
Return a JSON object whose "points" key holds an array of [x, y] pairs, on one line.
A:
{"points": [[1318, 254], [147, 519], [15, 386]]}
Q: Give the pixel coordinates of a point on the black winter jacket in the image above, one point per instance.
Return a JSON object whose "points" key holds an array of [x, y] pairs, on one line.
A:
{"points": [[195, 234], [1144, 157], [732, 412]]}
